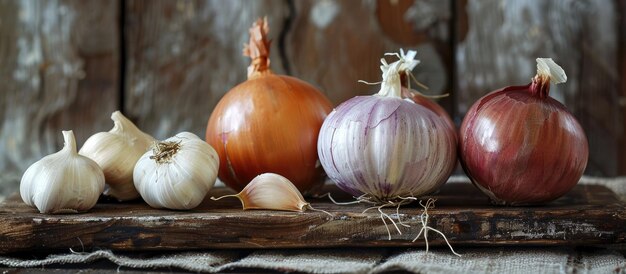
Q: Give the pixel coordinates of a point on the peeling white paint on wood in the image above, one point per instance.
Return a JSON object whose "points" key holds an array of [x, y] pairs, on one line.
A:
{"points": [[48, 78]]}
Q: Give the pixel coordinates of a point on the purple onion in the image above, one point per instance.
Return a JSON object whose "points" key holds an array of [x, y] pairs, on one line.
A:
{"points": [[385, 146], [522, 147]]}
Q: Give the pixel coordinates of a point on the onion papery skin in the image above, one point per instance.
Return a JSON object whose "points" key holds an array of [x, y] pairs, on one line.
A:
{"points": [[431, 105], [386, 147], [521, 149], [269, 123]]}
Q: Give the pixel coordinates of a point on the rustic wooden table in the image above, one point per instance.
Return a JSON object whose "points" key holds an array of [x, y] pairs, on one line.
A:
{"points": [[588, 215]]}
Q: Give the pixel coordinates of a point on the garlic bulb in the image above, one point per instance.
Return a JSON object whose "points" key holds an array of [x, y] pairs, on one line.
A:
{"points": [[270, 191], [63, 182], [177, 173], [116, 152]]}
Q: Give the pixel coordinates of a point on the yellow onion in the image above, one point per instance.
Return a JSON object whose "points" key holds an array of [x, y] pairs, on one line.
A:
{"points": [[268, 123]]}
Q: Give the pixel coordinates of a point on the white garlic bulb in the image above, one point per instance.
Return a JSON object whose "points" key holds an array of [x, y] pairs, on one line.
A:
{"points": [[63, 182], [116, 152], [177, 173]]}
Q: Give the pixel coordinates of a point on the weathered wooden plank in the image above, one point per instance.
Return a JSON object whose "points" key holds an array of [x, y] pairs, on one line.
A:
{"points": [[622, 59], [59, 70], [503, 39], [183, 56], [587, 215], [332, 44]]}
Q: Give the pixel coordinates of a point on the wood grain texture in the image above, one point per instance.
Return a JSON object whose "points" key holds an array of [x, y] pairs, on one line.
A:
{"points": [[587, 215], [183, 56], [332, 44], [503, 39], [622, 59], [59, 71]]}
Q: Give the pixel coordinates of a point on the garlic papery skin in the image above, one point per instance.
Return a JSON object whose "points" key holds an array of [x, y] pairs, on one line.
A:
{"points": [[271, 191], [63, 182], [116, 152], [176, 173]]}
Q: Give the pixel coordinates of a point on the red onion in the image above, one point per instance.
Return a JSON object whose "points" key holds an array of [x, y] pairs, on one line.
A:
{"points": [[429, 104], [417, 97], [520, 146], [385, 147]]}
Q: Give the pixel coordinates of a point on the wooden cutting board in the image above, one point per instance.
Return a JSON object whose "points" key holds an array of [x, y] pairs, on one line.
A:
{"points": [[588, 215]]}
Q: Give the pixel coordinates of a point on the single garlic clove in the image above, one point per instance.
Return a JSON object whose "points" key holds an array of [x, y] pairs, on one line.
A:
{"points": [[63, 182], [117, 151], [177, 173], [272, 191]]}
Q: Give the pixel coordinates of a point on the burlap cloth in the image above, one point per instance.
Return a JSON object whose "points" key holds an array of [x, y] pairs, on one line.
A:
{"points": [[370, 260]]}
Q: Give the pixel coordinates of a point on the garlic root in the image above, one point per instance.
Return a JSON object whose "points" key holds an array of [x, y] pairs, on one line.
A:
{"points": [[177, 173]]}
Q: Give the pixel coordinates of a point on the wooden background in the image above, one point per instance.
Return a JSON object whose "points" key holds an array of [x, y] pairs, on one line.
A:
{"points": [[68, 64]]}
